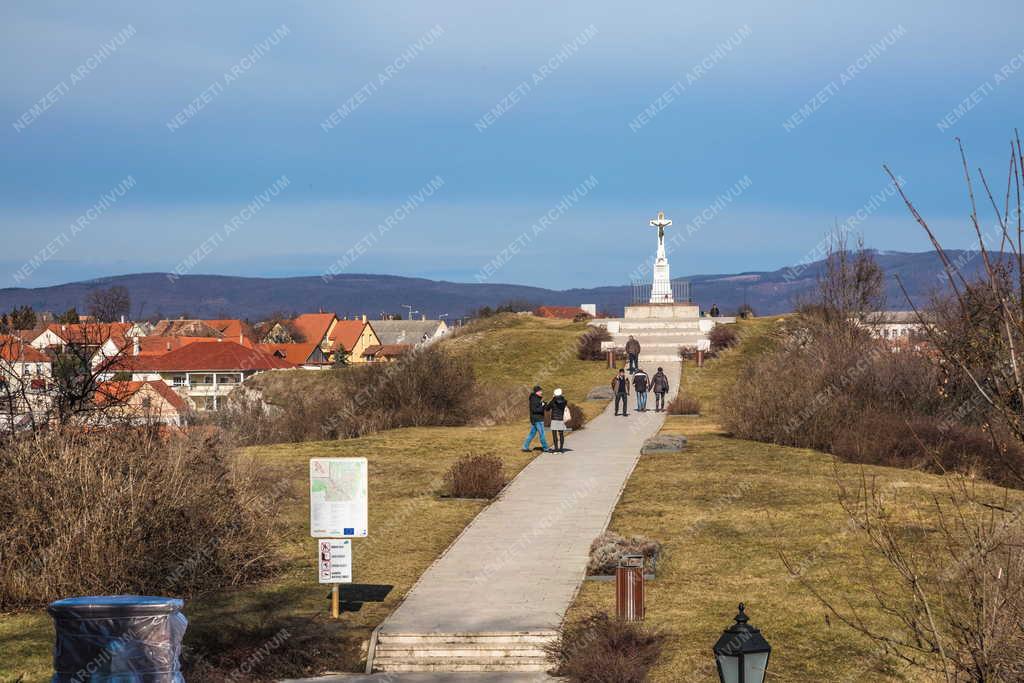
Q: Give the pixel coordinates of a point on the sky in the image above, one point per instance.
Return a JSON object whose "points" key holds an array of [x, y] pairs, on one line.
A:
{"points": [[503, 142]]}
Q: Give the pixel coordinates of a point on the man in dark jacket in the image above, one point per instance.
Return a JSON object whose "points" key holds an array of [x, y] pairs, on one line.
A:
{"points": [[659, 385], [640, 381], [537, 407], [620, 385], [633, 353]]}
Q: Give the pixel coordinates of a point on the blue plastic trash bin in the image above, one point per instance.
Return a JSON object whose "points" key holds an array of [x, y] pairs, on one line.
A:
{"points": [[117, 639]]}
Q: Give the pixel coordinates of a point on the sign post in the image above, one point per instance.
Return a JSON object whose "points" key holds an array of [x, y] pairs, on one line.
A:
{"points": [[338, 512]]}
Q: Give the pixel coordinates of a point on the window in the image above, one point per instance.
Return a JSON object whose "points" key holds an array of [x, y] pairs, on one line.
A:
{"points": [[178, 380], [147, 402]]}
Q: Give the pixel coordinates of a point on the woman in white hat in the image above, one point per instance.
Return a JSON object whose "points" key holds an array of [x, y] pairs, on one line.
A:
{"points": [[559, 415]]}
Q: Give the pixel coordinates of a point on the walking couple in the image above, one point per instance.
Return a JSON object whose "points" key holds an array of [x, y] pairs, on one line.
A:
{"points": [[560, 414], [641, 384]]}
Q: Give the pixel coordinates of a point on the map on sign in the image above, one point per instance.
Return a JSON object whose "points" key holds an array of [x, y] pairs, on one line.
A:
{"points": [[337, 497]]}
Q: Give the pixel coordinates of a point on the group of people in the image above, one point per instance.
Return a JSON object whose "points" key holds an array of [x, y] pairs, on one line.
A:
{"points": [[558, 406], [642, 384]]}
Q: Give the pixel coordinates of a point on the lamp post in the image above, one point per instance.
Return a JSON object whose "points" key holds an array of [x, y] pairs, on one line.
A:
{"points": [[741, 654]]}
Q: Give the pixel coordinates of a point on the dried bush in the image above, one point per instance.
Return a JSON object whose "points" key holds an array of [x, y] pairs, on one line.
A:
{"points": [[578, 419], [589, 345], [922, 442], [723, 337], [129, 511], [475, 476], [426, 387], [608, 549], [600, 649], [683, 405]]}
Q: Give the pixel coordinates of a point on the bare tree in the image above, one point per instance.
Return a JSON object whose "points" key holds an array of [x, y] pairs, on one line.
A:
{"points": [[852, 285], [959, 610], [108, 305]]}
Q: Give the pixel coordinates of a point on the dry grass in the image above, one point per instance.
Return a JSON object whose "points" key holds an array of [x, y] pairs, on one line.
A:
{"points": [[683, 405], [409, 524], [726, 512], [129, 511]]}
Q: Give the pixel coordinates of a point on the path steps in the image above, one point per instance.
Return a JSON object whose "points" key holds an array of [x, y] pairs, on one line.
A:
{"points": [[501, 590], [512, 651]]}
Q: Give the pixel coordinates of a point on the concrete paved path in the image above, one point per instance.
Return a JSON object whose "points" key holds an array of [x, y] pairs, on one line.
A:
{"points": [[518, 565]]}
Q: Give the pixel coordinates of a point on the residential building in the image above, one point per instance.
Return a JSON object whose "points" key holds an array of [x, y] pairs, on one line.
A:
{"points": [[25, 379], [895, 325], [151, 401], [205, 372], [101, 341], [353, 337], [307, 355], [411, 332], [385, 353], [228, 329], [315, 327]]}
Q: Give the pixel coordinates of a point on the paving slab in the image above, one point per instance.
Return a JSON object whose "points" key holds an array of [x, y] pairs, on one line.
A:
{"points": [[519, 563]]}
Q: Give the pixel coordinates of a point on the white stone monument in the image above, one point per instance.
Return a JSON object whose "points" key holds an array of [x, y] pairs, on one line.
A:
{"points": [[661, 288], [661, 325]]}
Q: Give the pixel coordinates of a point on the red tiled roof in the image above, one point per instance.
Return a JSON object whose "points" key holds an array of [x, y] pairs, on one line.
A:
{"points": [[158, 346], [346, 333], [388, 350], [15, 350], [313, 326], [293, 353], [562, 312], [119, 392], [199, 356], [91, 333], [231, 329]]}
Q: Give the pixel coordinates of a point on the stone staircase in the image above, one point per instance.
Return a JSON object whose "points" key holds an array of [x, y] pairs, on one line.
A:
{"points": [[659, 339], [462, 652]]}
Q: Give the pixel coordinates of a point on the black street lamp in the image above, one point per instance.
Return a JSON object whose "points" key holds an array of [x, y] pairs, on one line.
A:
{"points": [[742, 653]]}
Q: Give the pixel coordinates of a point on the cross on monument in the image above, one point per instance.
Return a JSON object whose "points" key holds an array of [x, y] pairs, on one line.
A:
{"points": [[661, 287]]}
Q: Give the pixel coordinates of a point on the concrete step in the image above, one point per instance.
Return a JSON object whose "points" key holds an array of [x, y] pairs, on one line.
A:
{"points": [[661, 342], [501, 651], [450, 665], [484, 637]]}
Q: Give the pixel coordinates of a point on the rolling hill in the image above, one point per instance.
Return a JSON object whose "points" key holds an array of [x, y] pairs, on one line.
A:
{"points": [[156, 294]]}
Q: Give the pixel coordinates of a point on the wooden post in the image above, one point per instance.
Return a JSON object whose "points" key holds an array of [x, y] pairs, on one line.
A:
{"points": [[334, 601]]}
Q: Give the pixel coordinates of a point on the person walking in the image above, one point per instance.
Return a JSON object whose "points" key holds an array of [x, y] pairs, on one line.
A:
{"points": [[640, 383], [620, 385], [714, 311], [560, 414], [659, 385], [537, 407], [633, 353]]}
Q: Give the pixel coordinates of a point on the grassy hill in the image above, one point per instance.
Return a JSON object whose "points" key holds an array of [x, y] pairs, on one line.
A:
{"points": [[410, 525], [727, 510]]}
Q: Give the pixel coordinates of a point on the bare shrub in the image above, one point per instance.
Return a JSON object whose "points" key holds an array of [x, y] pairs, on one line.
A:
{"points": [[129, 511], [683, 405], [958, 612], [589, 345], [600, 649], [723, 337], [577, 420], [475, 476], [426, 387], [609, 548]]}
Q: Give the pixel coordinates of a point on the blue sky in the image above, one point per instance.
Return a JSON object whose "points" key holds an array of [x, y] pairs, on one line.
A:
{"points": [[418, 121]]}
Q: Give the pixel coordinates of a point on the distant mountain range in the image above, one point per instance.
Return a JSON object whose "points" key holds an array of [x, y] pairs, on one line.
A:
{"points": [[217, 296]]}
